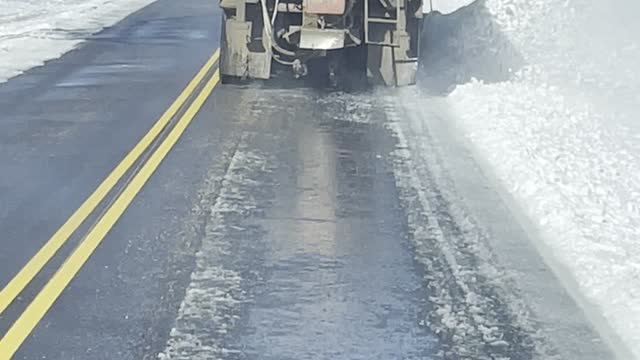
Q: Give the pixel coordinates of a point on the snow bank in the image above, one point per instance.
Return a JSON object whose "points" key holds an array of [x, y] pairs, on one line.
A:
{"points": [[445, 6], [34, 31], [557, 121]]}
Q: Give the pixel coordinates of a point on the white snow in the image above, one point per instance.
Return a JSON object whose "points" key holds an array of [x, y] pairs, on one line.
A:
{"points": [[445, 6], [34, 31], [562, 135]]}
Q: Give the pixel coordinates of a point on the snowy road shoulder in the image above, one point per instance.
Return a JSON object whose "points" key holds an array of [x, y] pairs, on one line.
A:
{"points": [[573, 181], [493, 255], [554, 120], [32, 31]]}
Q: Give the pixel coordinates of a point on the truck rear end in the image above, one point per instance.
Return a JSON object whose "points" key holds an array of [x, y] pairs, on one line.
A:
{"points": [[380, 37]]}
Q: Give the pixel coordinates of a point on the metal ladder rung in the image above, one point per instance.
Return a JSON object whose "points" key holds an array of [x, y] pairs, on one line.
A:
{"points": [[390, 44], [382, 20], [408, 60]]}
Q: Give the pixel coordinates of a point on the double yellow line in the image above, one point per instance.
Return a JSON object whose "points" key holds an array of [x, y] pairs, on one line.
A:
{"points": [[35, 311]]}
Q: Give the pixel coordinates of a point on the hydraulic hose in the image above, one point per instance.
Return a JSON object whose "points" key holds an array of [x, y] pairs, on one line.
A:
{"points": [[269, 30]]}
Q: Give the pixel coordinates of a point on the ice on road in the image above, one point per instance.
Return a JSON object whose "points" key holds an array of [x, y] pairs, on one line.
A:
{"points": [[546, 93], [34, 31]]}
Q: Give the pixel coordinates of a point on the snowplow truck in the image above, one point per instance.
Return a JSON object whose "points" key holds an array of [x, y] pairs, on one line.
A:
{"points": [[378, 37]]}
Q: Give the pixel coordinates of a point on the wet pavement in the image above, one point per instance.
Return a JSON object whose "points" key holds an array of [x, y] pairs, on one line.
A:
{"points": [[341, 282], [316, 249]]}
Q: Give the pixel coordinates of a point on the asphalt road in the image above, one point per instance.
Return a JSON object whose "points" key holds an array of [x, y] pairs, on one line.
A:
{"points": [[278, 227]]}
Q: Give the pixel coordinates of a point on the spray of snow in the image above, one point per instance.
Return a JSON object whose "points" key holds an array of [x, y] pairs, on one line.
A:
{"points": [[34, 31], [561, 134]]}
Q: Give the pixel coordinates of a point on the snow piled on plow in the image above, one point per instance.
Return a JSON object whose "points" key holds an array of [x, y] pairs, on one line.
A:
{"points": [[560, 131], [34, 31]]}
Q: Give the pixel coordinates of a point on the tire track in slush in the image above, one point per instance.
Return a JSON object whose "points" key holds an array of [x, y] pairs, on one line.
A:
{"points": [[472, 315], [228, 262], [217, 288]]}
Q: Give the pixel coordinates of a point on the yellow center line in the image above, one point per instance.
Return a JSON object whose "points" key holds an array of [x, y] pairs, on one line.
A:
{"points": [[46, 252], [25, 324]]}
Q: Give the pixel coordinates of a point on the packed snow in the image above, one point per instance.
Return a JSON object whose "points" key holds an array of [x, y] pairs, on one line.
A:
{"points": [[34, 31], [547, 93], [445, 6]]}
